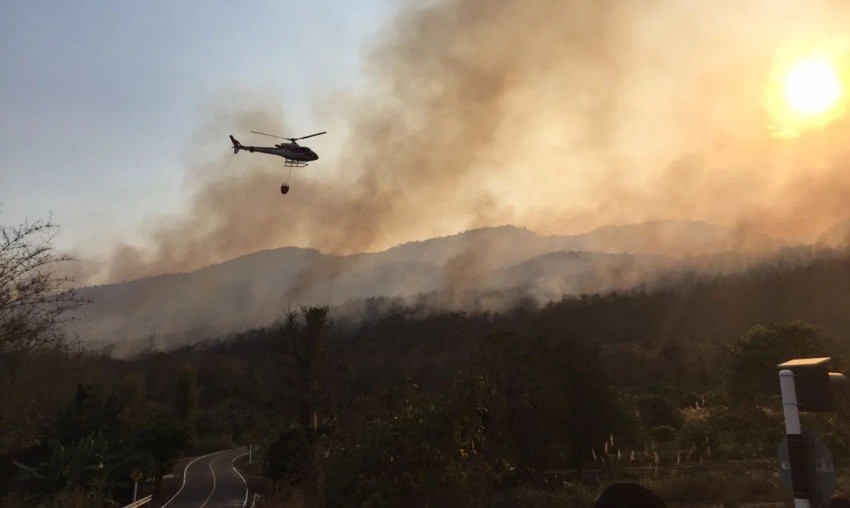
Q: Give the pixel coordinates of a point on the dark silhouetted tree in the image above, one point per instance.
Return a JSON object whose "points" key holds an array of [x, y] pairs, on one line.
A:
{"points": [[302, 342], [752, 359], [186, 394], [34, 292], [35, 300]]}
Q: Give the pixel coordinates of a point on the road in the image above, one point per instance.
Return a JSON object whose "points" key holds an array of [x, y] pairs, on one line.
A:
{"points": [[211, 481]]}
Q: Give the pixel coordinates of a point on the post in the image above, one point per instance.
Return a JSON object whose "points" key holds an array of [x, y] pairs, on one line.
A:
{"points": [[135, 490], [793, 432]]}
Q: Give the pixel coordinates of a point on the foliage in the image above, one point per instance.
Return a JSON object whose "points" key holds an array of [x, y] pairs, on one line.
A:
{"points": [[34, 304], [95, 448], [415, 408], [287, 458], [232, 420], [426, 452], [92, 411], [186, 394], [77, 498], [752, 359], [302, 345], [729, 486], [742, 431], [658, 409], [160, 439], [87, 464], [663, 433], [34, 294]]}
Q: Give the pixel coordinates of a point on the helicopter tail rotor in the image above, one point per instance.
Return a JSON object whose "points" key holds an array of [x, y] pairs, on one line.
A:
{"points": [[236, 145]]}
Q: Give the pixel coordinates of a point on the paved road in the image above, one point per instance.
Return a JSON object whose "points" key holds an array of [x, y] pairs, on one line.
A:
{"points": [[211, 481]]}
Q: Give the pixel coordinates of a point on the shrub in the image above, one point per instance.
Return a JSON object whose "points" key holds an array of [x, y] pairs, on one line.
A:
{"points": [[663, 433], [287, 459]]}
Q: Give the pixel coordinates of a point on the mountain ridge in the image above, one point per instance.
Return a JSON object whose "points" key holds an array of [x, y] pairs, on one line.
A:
{"points": [[255, 289]]}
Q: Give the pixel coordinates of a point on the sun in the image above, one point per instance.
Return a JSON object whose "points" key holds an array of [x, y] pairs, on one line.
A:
{"points": [[807, 90], [812, 87]]}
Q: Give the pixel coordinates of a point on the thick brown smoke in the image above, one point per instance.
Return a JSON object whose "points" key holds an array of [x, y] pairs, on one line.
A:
{"points": [[559, 116]]}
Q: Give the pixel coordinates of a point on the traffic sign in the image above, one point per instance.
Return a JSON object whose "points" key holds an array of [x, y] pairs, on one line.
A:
{"points": [[820, 471]]}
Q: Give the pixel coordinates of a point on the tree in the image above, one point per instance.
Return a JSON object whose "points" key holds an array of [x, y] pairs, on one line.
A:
{"points": [[547, 401], [35, 301], [287, 458], [423, 451], [186, 394], [594, 411], [303, 347], [163, 439], [34, 293], [512, 391], [753, 358]]}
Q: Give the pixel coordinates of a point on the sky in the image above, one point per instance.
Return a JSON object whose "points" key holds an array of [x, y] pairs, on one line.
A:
{"points": [[100, 101], [442, 116]]}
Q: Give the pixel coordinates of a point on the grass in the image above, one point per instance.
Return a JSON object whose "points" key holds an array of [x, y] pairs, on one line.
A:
{"points": [[727, 487]]}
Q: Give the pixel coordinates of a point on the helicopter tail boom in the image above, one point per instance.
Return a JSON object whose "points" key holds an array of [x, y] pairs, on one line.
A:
{"points": [[236, 145]]}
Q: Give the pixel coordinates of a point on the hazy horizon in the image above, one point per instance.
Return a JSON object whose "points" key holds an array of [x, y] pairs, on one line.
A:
{"points": [[442, 117]]}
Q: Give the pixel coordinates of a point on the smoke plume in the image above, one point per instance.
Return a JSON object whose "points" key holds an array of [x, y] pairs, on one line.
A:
{"points": [[557, 116]]}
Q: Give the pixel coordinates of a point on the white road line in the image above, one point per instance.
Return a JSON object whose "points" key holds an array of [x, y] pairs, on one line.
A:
{"points": [[240, 476], [186, 470], [213, 489]]}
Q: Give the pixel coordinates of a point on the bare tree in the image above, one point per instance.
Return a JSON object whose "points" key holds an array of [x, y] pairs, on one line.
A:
{"points": [[35, 298], [35, 295]]}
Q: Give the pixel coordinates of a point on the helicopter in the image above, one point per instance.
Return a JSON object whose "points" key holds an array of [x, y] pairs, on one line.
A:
{"points": [[295, 155]]}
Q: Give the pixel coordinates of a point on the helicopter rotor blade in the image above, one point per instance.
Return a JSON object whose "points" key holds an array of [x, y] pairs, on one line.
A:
{"points": [[269, 135], [310, 136]]}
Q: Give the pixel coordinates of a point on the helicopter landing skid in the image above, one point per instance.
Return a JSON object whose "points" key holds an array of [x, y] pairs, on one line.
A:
{"points": [[294, 164]]}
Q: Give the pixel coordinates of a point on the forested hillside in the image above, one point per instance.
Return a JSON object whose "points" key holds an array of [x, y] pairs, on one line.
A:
{"points": [[660, 376], [486, 269]]}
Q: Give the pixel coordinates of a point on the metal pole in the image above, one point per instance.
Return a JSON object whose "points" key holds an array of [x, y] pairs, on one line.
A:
{"points": [[793, 432], [135, 490]]}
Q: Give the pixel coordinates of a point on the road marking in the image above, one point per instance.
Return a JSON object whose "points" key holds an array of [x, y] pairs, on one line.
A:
{"points": [[240, 476], [213, 489], [186, 470]]}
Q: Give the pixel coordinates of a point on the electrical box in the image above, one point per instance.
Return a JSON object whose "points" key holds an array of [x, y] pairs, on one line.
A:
{"points": [[812, 383]]}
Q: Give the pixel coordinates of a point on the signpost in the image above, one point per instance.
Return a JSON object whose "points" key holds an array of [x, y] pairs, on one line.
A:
{"points": [[136, 476], [805, 463], [820, 471]]}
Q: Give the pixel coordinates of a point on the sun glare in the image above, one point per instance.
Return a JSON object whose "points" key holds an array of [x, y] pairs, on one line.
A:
{"points": [[807, 90], [812, 87]]}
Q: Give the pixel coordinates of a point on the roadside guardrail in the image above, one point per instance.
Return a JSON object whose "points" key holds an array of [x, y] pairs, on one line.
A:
{"points": [[141, 502]]}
